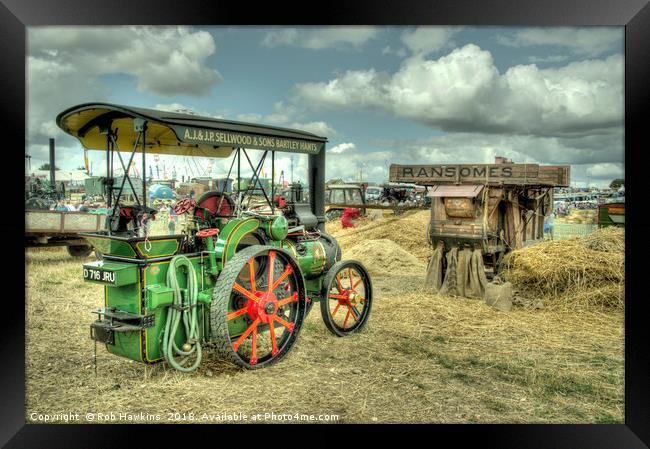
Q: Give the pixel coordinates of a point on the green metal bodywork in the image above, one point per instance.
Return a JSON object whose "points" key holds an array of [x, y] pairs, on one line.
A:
{"points": [[140, 285]]}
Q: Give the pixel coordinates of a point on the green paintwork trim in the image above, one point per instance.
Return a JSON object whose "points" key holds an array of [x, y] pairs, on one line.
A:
{"points": [[157, 296], [127, 298], [144, 346], [156, 273], [111, 246], [231, 235], [277, 228], [159, 248]]}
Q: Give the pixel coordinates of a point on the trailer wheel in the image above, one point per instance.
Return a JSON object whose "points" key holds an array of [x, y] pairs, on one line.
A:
{"points": [[253, 324], [347, 298], [80, 250]]}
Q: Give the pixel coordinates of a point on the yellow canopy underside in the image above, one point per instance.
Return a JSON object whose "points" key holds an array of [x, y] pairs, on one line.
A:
{"points": [[160, 139]]}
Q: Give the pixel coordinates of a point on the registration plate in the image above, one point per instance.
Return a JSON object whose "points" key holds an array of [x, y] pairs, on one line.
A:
{"points": [[99, 275]]}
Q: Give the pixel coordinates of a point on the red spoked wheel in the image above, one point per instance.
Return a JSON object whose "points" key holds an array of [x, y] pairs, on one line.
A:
{"points": [[183, 206], [210, 232], [258, 306], [216, 204], [346, 298]]}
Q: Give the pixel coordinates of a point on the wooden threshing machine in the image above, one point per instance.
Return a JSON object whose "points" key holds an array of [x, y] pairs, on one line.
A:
{"points": [[479, 212], [239, 280]]}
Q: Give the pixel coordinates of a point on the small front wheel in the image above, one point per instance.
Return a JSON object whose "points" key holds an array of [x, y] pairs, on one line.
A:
{"points": [[346, 298]]}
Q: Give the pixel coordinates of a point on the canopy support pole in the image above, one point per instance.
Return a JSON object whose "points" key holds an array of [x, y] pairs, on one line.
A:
{"points": [[316, 167], [273, 181], [255, 179], [144, 165], [109, 172]]}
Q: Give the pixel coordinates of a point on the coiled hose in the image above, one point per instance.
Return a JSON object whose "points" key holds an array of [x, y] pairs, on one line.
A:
{"points": [[183, 308]]}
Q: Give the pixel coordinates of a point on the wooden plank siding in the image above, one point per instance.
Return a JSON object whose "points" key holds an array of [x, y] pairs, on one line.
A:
{"points": [[484, 174]]}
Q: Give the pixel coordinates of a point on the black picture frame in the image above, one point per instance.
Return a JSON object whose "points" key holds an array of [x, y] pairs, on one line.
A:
{"points": [[15, 15]]}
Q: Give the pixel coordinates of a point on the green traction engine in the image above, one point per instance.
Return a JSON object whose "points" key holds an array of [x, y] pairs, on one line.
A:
{"points": [[235, 280]]}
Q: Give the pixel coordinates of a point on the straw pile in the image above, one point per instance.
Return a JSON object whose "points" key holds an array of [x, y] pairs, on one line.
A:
{"points": [[407, 230], [572, 273], [384, 257], [610, 239]]}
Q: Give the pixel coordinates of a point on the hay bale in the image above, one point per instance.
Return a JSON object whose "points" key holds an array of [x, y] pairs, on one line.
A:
{"points": [[570, 272], [610, 239], [384, 257]]}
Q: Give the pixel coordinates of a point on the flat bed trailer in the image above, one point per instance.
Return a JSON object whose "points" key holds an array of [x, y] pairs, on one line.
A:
{"points": [[47, 228]]}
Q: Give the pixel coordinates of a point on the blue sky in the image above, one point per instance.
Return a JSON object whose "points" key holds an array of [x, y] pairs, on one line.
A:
{"points": [[380, 94]]}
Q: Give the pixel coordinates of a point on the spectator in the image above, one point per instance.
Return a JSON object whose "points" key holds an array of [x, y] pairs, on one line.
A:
{"points": [[61, 207], [172, 220], [85, 207], [548, 224]]}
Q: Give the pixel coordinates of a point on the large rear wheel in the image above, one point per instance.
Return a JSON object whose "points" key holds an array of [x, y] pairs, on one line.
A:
{"points": [[258, 306], [346, 298]]}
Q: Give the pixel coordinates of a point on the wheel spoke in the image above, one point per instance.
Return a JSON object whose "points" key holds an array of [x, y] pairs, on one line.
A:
{"points": [[338, 282], [274, 344], [251, 274], [355, 313], [284, 274], [235, 314], [347, 315], [336, 309], [239, 289], [357, 283], [245, 335], [271, 265], [253, 360], [292, 298], [284, 323], [337, 296], [350, 277]]}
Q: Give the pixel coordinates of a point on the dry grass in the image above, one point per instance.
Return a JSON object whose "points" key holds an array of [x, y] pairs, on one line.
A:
{"points": [[579, 272], [422, 358]]}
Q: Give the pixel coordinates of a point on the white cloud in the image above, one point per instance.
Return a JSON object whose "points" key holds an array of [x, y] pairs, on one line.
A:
{"points": [[178, 107], [340, 148], [586, 41], [428, 39], [551, 58], [65, 66], [283, 115], [464, 91], [164, 60], [321, 129], [608, 171], [320, 38]]}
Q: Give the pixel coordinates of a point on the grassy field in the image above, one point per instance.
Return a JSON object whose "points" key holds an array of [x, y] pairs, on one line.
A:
{"points": [[422, 358]]}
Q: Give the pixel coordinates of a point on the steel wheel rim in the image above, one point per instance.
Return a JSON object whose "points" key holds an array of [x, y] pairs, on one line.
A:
{"points": [[271, 313], [348, 299]]}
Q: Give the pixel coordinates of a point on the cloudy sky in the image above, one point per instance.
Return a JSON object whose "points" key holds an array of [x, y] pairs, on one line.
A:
{"points": [[381, 95]]}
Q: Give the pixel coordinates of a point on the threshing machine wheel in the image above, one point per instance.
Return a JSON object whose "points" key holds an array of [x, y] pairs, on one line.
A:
{"points": [[347, 298], [258, 306]]}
